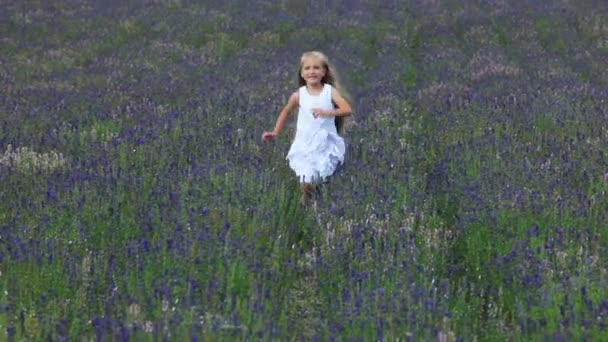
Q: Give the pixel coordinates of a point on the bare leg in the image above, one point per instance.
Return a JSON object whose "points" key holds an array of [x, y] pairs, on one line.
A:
{"points": [[308, 192]]}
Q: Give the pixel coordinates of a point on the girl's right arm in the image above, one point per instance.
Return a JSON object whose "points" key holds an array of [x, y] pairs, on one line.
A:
{"points": [[291, 105]]}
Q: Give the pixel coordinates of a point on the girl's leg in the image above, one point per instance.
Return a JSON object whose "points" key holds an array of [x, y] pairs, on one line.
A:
{"points": [[308, 193]]}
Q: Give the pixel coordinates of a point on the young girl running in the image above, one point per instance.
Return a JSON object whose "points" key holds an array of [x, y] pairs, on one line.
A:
{"points": [[317, 148]]}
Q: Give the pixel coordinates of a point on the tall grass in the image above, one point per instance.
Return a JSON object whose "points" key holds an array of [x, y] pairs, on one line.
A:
{"points": [[138, 202]]}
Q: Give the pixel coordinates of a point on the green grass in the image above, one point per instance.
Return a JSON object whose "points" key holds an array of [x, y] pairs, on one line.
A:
{"points": [[468, 208], [546, 28]]}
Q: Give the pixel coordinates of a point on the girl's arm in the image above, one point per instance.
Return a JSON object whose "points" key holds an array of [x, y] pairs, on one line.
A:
{"points": [[291, 105], [343, 108]]}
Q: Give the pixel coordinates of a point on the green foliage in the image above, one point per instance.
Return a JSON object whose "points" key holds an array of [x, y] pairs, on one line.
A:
{"points": [[547, 29], [126, 31], [136, 194], [502, 35], [197, 35]]}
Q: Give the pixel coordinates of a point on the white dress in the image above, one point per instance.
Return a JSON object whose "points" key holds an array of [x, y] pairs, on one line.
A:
{"points": [[317, 148]]}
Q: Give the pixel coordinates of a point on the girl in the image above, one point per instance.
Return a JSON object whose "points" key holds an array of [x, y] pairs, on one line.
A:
{"points": [[317, 149]]}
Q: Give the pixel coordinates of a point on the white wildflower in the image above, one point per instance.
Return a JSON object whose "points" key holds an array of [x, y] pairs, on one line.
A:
{"points": [[25, 159]]}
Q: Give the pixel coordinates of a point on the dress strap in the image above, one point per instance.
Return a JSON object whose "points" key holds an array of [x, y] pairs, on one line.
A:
{"points": [[301, 94], [327, 90]]}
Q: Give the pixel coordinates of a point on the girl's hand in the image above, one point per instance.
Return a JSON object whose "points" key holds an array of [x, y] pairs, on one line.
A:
{"points": [[268, 136], [318, 112]]}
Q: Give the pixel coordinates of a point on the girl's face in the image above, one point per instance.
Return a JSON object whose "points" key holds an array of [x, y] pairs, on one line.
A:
{"points": [[312, 71]]}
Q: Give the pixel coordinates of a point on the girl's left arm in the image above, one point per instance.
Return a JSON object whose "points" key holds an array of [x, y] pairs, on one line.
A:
{"points": [[342, 106]]}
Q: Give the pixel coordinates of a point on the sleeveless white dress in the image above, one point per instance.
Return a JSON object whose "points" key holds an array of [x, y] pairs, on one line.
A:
{"points": [[317, 149]]}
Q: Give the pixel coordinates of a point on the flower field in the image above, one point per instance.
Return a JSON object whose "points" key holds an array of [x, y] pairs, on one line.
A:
{"points": [[137, 201]]}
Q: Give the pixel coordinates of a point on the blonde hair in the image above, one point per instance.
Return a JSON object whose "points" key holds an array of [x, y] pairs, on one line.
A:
{"points": [[331, 78]]}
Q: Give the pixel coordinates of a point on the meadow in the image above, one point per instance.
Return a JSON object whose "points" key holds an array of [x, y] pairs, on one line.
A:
{"points": [[137, 201]]}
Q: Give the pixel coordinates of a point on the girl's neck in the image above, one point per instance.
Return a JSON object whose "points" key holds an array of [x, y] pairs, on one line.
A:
{"points": [[316, 86]]}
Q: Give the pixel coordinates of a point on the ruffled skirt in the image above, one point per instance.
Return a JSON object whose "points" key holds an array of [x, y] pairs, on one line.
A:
{"points": [[315, 157]]}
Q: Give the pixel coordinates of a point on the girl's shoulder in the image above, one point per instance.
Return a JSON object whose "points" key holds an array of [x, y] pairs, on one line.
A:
{"points": [[295, 96]]}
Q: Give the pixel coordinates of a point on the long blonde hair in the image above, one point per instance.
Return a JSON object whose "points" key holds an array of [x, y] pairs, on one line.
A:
{"points": [[331, 78]]}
